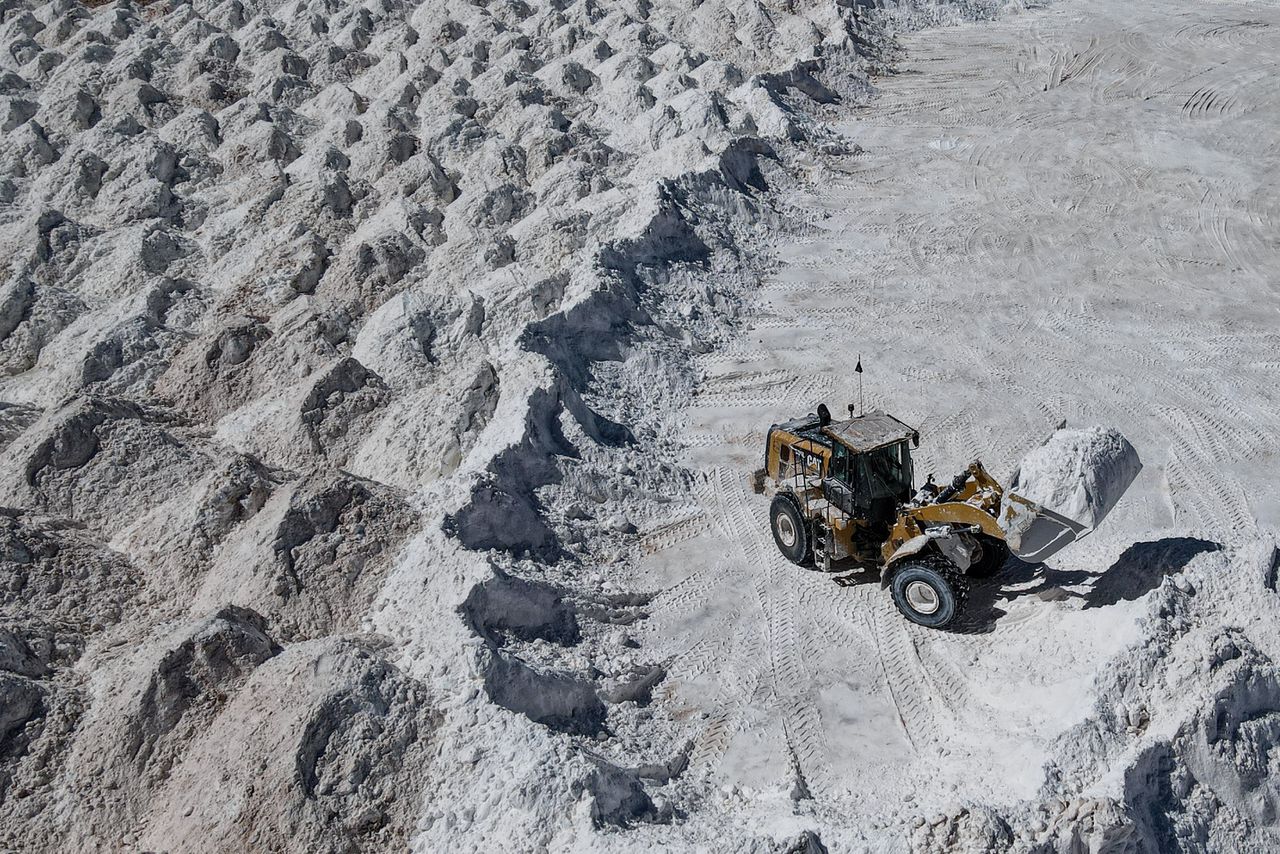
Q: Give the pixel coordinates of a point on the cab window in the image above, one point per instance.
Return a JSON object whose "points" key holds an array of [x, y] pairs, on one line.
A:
{"points": [[888, 471], [838, 467]]}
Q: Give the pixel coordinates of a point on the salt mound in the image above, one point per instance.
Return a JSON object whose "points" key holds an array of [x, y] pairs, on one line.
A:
{"points": [[1080, 474]]}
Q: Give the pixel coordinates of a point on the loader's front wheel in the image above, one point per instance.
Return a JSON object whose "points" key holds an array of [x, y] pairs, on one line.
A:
{"points": [[929, 590], [790, 532]]}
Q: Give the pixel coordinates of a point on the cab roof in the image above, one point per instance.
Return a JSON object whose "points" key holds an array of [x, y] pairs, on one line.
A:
{"points": [[870, 431]]}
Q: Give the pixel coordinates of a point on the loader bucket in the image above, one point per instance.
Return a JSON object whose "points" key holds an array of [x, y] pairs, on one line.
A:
{"points": [[1064, 489], [1034, 533]]}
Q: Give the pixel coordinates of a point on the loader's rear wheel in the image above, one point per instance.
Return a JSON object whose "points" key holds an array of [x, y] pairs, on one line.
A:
{"points": [[990, 559], [790, 532], [929, 590]]}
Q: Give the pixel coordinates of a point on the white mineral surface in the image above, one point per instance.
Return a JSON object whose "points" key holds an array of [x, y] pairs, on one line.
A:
{"points": [[1081, 474], [380, 385]]}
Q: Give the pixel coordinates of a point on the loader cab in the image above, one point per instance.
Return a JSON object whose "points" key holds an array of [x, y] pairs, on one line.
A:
{"points": [[861, 466], [836, 485], [869, 484]]}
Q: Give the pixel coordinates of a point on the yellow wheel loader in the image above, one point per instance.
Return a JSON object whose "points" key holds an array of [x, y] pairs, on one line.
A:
{"points": [[843, 491]]}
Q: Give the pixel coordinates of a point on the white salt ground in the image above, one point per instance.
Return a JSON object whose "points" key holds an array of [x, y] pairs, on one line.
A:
{"points": [[381, 383]]}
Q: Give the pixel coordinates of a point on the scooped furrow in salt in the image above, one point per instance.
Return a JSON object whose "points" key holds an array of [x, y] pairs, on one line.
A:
{"points": [[1079, 473]]}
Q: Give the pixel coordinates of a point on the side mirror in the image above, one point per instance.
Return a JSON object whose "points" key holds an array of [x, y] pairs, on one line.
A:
{"points": [[915, 439]]}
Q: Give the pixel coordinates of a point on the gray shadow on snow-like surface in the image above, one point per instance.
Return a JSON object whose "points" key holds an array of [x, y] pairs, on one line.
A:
{"points": [[505, 606], [1137, 571], [560, 701], [1140, 568], [980, 613]]}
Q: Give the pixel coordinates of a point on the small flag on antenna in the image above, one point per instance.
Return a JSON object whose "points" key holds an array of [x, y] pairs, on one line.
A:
{"points": [[858, 370]]}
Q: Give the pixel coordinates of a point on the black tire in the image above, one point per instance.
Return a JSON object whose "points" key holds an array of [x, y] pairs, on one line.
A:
{"points": [[991, 560], [929, 590], [790, 533]]}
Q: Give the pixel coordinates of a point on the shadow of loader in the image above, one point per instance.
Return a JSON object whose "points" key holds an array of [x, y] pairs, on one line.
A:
{"points": [[1138, 571]]}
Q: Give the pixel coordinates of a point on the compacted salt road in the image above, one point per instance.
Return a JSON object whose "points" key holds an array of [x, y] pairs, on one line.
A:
{"points": [[1063, 214]]}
